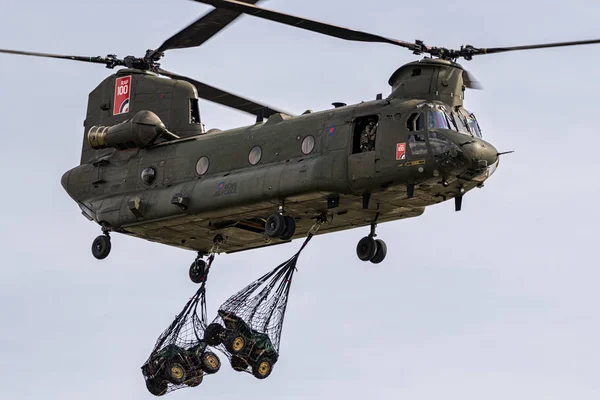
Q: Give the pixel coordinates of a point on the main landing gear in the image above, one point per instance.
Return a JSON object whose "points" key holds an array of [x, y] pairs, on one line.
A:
{"points": [[199, 268], [371, 249], [280, 226], [101, 245]]}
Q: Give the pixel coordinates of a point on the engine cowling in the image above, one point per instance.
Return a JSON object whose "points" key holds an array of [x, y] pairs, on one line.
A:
{"points": [[140, 131]]}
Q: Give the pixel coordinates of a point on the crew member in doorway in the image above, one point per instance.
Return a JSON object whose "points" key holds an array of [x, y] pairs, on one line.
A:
{"points": [[367, 137]]}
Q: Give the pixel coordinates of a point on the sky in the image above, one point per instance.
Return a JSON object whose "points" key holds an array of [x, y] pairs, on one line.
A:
{"points": [[496, 301]]}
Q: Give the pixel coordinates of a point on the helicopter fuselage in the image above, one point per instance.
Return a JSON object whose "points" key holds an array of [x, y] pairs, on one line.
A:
{"points": [[188, 191]]}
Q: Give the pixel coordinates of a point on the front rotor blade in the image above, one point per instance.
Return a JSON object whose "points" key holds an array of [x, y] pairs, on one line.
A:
{"points": [[95, 60], [471, 81], [202, 29], [493, 50], [303, 23], [225, 98]]}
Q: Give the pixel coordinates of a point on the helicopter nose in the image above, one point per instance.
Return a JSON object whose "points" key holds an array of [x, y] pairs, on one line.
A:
{"points": [[480, 154], [64, 181]]}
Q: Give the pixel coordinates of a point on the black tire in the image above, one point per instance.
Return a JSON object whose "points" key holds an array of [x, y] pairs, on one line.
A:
{"points": [[262, 367], [274, 225], [235, 343], [156, 386], [238, 363], [380, 253], [366, 248], [210, 363], [289, 228], [196, 380], [198, 271], [212, 334], [175, 372], [101, 247]]}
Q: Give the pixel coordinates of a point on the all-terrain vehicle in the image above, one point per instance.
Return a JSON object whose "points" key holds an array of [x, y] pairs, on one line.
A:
{"points": [[175, 365], [247, 346]]}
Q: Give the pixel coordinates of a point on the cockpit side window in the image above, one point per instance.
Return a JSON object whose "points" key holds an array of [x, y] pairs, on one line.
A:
{"points": [[415, 122], [460, 123], [417, 144], [472, 121]]}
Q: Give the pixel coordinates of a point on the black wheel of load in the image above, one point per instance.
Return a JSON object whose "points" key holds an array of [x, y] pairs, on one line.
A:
{"points": [[238, 363], [101, 247], [210, 363], [198, 271], [235, 343], [289, 228], [262, 367], [274, 225], [366, 248], [380, 253], [212, 334], [175, 372], [156, 386], [196, 380]]}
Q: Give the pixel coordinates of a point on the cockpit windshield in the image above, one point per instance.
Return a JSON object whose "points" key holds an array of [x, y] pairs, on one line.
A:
{"points": [[437, 119]]}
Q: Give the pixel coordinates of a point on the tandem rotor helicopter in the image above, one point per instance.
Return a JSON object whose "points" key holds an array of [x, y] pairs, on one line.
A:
{"points": [[149, 169]]}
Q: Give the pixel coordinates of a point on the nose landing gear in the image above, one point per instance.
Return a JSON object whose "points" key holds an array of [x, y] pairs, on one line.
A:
{"points": [[101, 245], [371, 249]]}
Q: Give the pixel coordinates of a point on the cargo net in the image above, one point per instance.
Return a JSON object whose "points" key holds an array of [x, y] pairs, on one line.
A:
{"points": [[181, 357], [248, 326]]}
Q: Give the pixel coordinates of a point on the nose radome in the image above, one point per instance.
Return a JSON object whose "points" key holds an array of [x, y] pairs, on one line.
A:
{"points": [[481, 154]]}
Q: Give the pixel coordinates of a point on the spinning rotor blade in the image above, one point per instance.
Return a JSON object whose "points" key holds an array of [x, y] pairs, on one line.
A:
{"points": [[303, 23], [110, 60], [220, 96], [471, 81], [493, 50], [202, 29]]}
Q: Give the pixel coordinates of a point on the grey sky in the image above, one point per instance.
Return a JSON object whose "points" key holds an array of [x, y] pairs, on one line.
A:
{"points": [[497, 301]]}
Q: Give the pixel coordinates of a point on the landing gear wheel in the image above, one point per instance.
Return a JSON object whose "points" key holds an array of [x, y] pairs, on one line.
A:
{"points": [[101, 247], [198, 271], [212, 334], [175, 373], [210, 363], [366, 248], [274, 225], [238, 363], [262, 368], [380, 253], [289, 229], [156, 386]]}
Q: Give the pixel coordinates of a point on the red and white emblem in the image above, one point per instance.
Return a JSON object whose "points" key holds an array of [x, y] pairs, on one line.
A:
{"points": [[122, 93], [400, 151]]}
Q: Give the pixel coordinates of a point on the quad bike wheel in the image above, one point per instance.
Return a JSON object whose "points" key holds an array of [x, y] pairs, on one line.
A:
{"points": [[156, 386], [262, 368], [175, 373], [238, 363], [210, 362], [236, 343], [212, 334], [195, 381]]}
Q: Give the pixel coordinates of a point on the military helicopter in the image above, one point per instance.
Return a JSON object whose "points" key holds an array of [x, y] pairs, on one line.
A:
{"points": [[150, 170]]}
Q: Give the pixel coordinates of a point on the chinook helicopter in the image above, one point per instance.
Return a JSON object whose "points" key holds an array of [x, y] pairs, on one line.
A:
{"points": [[149, 169]]}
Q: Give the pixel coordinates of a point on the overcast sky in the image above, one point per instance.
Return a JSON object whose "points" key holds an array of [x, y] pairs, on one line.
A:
{"points": [[497, 301]]}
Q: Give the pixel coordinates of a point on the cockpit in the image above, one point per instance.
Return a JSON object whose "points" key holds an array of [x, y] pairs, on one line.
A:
{"points": [[461, 120]]}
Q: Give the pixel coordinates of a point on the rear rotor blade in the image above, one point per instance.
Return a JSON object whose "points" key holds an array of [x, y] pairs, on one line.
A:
{"points": [[225, 98], [310, 25], [110, 60], [202, 29]]}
